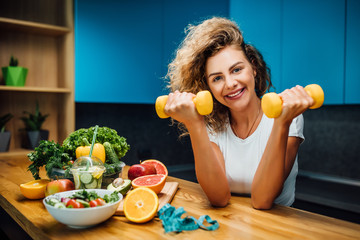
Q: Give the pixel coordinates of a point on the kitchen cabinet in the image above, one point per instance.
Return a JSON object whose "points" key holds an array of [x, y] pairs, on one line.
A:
{"points": [[352, 70], [303, 42], [40, 34]]}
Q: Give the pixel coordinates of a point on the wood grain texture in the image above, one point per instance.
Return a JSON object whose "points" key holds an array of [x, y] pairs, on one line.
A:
{"points": [[238, 220]]}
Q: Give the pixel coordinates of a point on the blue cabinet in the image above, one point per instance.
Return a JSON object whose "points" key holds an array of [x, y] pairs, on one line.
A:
{"points": [[118, 47], [260, 23], [313, 46], [352, 68], [122, 48], [302, 41]]}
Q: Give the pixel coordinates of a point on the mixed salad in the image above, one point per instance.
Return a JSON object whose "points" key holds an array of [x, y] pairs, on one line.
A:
{"points": [[83, 199]]}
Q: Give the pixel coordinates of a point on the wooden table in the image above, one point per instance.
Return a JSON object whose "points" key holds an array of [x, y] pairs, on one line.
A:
{"points": [[237, 221]]}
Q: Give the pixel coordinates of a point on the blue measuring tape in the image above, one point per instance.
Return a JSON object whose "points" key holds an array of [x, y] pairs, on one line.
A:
{"points": [[172, 221]]}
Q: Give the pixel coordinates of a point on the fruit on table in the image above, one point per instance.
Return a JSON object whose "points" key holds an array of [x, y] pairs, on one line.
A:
{"points": [[138, 170], [141, 205], [159, 166], [120, 186], [60, 185], [203, 103], [154, 182], [34, 189], [98, 151]]}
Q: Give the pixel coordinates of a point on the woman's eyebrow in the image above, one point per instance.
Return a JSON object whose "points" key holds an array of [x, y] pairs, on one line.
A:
{"points": [[232, 66]]}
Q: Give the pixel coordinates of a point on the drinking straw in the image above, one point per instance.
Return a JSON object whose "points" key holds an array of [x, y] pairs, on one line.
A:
{"points": [[92, 146]]}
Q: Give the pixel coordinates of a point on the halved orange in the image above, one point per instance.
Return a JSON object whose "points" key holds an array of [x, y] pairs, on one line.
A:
{"points": [[155, 182], [141, 205], [159, 166], [34, 189]]}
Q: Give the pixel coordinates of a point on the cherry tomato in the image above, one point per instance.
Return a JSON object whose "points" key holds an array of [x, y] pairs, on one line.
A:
{"points": [[74, 204], [93, 203], [100, 201]]}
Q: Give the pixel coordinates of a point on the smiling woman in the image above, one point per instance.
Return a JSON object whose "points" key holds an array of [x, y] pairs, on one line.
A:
{"points": [[237, 149]]}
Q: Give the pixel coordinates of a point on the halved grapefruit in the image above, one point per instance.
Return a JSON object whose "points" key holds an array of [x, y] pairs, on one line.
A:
{"points": [[159, 166], [155, 182]]}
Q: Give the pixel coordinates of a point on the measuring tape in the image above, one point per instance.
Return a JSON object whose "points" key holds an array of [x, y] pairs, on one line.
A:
{"points": [[172, 221]]}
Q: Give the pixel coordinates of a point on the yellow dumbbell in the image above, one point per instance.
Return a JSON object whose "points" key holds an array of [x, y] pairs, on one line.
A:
{"points": [[203, 103], [271, 103]]}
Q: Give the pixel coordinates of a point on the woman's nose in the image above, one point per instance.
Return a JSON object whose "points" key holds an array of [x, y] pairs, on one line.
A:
{"points": [[230, 82]]}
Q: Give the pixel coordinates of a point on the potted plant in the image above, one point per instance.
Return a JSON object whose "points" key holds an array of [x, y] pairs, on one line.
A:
{"points": [[33, 123], [4, 135], [13, 74]]}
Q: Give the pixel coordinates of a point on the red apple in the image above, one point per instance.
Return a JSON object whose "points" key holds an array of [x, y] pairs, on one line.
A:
{"points": [[60, 185], [138, 170]]}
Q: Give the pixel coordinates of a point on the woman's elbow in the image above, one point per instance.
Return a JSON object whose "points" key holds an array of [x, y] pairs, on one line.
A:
{"points": [[261, 204], [220, 202]]}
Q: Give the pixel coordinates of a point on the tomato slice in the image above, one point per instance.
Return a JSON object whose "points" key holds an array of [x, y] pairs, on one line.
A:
{"points": [[74, 204], [93, 203], [100, 201]]}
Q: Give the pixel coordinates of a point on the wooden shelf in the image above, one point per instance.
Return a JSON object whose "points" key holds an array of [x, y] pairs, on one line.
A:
{"points": [[33, 27], [40, 33], [35, 89]]}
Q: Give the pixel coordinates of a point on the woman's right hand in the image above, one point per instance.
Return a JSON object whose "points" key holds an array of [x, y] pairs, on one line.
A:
{"points": [[180, 106]]}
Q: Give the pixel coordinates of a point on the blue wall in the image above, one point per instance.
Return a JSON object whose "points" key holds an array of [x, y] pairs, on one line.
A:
{"points": [[122, 48]]}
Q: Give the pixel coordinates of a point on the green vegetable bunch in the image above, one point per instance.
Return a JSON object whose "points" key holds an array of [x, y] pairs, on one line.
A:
{"points": [[51, 155], [104, 134]]}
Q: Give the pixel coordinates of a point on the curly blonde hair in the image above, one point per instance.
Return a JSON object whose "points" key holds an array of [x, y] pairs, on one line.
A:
{"points": [[186, 72]]}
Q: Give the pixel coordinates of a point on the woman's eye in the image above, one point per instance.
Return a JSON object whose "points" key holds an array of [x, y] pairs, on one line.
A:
{"points": [[236, 70], [217, 78]]}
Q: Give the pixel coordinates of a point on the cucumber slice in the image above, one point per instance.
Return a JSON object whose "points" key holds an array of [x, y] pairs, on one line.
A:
{"points": [[92, 185], [53, 201], [86, 178], [59, 205], [84, 203]]}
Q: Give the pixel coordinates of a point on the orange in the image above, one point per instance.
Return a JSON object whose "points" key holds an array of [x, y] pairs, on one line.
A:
{"points": [[154, 182], [159, 166], [141, 205], [34, 189]]}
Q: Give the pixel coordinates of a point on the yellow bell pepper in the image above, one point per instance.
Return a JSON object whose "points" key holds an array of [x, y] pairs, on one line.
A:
{"points": [[98, 151]]}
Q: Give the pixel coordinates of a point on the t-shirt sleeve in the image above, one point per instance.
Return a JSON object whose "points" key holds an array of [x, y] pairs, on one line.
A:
{"points": [[212, 136], [297, 127]]}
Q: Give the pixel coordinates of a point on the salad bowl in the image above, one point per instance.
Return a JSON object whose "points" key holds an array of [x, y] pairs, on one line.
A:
{"points": [[82, 217]]}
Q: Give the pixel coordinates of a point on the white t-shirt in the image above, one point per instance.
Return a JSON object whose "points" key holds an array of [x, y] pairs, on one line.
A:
{"points": [[242, 157]]}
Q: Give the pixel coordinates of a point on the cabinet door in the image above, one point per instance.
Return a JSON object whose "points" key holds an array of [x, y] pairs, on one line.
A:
{"points": [[118, 47], [260, 22], [313, 46], [352, 71]]}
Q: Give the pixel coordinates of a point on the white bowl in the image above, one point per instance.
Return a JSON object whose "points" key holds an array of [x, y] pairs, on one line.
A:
{"points": [[82, 217]]}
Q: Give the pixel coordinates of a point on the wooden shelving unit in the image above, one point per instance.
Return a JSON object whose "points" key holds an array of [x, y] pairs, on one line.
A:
{"points": [[40, 34]]}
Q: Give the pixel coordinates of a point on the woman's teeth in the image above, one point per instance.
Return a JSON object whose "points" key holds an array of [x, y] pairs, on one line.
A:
{"points": [[235, 94]]}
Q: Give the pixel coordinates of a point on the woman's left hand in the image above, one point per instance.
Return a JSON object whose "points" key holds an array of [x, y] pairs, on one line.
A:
{"points": [[295, 102]]}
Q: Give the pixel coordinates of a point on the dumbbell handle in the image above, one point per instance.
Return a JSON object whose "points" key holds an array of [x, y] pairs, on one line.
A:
{"points": [[203, 103], [271, 103]]}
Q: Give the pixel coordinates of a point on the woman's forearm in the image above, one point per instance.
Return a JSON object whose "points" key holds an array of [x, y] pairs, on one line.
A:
{"points": [[270, 174], [209, 166]]}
